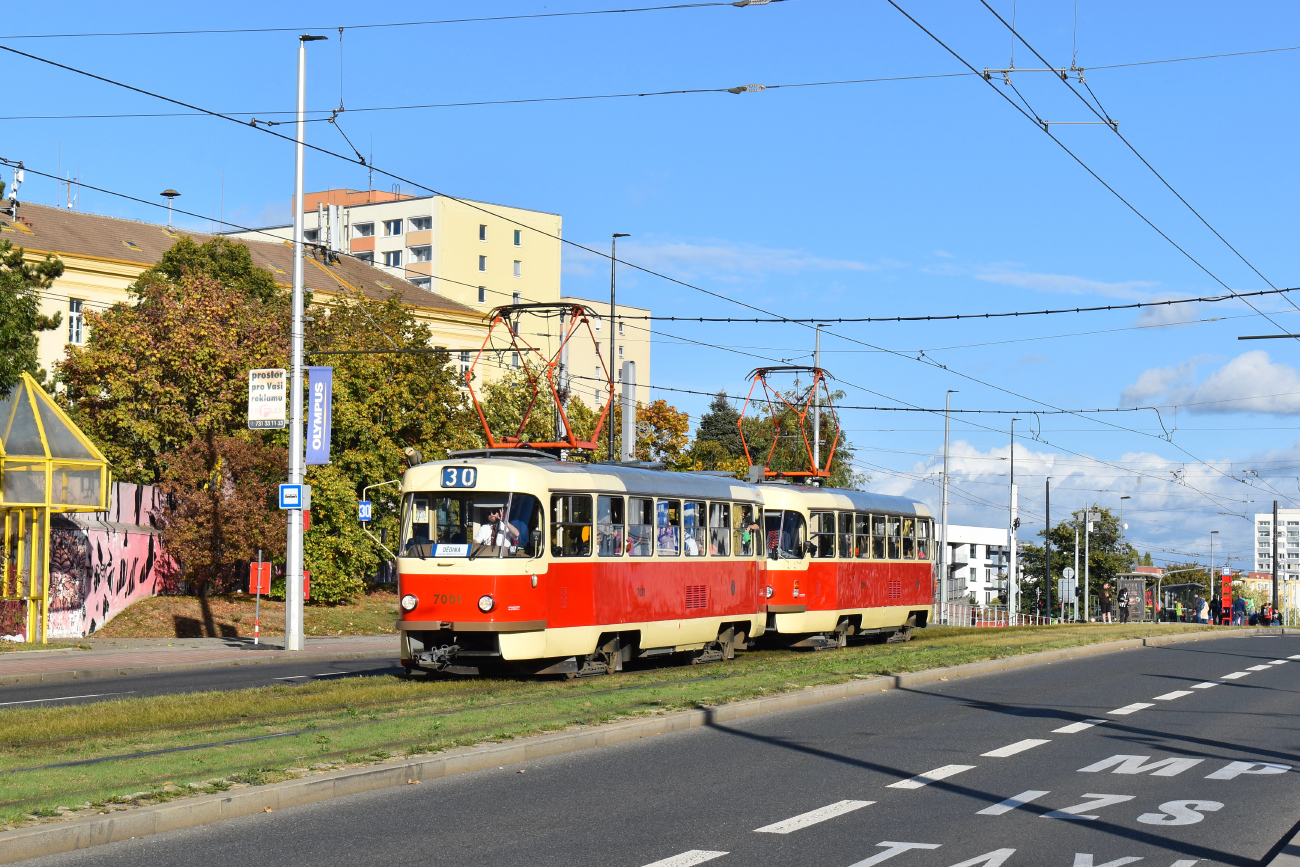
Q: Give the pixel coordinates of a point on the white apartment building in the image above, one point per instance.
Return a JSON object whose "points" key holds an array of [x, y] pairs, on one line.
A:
{"points": [[1288, 543], [978, 558]]}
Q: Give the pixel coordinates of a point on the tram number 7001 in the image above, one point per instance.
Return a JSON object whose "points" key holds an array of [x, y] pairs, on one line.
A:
{"points": [[459, 477]]}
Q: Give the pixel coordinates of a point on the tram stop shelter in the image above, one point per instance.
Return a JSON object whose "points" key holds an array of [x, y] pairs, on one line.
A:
{"points": [[47, 466]]}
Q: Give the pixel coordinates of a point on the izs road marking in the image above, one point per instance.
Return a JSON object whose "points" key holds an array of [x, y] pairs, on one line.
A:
{"points": [[1075, 728], [1012, 803], [894, 849], [927, 778], [1180, 813], [812, 817], [1132, 708], [1170, 696], [1097, 802], [688, 858]]}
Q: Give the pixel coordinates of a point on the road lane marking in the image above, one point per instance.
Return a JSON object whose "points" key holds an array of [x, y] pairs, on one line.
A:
{"points": [[1012, 803], [65, 698], [1132, 708], [1278, 662], [1235, 675], [687, 858], [1017, 747], [894, 849], [292, 677], [1257, 668], [1075, 728], [1206, 685], [1170, 696], [929, 777], [812, 817], [329, 673], [1097, 802], [1294, 656]]}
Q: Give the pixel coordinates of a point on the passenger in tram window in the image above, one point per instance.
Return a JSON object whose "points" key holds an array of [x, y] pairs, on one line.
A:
{"points": [[570, 526], [640, 527], [668, 527], [846, 534], [923, 538], [719, 529], [746, 532], [862, 535], [895, 542], [909, 539], [609, 526], [694, 533], [878, 535]]}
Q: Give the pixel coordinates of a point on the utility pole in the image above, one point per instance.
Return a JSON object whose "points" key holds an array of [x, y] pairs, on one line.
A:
{"points": [[943, 505], [1087, 573], [817, 404], [1047, 538], [1013, 574], [293, 625], [613, 335], [1276, 533], [1213, 533]]}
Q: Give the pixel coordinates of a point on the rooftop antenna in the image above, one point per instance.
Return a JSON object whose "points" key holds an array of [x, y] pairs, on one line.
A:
{"points": [[169, 194]]}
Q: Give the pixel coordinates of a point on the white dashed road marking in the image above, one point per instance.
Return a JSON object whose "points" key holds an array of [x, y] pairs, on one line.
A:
{"points": [[1235, 675], [1017, 747], [1278, 662], [1205, 685], [1132, 708], [1257, 668], [1170, 696], [64, 698], [1294, 656], [1012, 803], [1075, 728], [930, 776], [292, 677], [686, 859], [812, 817]]}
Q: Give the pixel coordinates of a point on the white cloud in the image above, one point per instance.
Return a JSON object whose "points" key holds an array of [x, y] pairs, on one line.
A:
{"points": [[731, 261], [1069, 284], [1166, 314], [1251, 382], [1158, 381]]}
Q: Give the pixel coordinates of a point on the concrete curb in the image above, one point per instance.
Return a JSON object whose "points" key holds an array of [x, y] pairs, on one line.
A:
{"points": [[76, 834], [254, 658]]}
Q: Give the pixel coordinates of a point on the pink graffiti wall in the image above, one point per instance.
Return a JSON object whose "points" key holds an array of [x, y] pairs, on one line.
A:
{"points": [[101, 562]]}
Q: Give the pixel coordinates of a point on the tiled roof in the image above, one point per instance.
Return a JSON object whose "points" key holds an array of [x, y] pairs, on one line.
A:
{"points": [[44, 229]]}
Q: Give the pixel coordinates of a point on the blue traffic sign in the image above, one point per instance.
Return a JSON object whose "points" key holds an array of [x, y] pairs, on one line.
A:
{"points": [[363, 510]]}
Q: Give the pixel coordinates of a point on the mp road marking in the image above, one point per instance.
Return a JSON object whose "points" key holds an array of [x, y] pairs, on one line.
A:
{"points": [[1132, 708], [686, 859], [1123, 764], [1097, 802], [1012, 803], [926, 779], [1232, 770], [1017, 747], [894, 849], [1170, 696], [65, 698], [1075, 728], [812, 817]]}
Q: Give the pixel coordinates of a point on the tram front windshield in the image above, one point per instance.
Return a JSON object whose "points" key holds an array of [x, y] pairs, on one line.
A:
{"points": [[481, 524], [785, 534]]}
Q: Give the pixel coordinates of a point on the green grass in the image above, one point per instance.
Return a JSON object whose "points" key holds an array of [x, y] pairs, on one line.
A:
{"points": [[14, 646], [331, 723]]}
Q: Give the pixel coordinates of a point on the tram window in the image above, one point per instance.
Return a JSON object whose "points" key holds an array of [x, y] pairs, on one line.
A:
{"points": [[909, 539], [668, 527], [609, 526], [570, 525], [895, 545], [477, 525], [785, 534], [745, 531], [719, 529], [822, 537], [878, 534], [694, 532], [640, 526], [923, 527], [862, 534], [846, 534]]}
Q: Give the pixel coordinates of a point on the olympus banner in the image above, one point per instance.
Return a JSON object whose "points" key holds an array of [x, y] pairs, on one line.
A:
{"points": [[320, 413]]}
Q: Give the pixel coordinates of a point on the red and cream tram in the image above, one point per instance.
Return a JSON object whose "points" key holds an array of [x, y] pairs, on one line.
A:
{"points": [[571, 568]]}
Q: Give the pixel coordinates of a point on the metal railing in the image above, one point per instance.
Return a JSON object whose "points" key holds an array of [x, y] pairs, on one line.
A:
{"points": [[957, 614]]}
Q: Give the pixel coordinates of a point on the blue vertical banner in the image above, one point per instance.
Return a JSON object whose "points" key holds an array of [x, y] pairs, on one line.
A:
{"points": [[320, 413]]}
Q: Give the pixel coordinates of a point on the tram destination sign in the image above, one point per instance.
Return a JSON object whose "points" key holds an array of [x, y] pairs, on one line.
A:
{"points": [[267, 392]]}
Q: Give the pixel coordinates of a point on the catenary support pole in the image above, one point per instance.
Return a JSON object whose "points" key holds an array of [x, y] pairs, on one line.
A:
{"points": [[1013, 576], [1276, 533], [613, 336], [944, 552], [1047, 537], [1087, 530]]}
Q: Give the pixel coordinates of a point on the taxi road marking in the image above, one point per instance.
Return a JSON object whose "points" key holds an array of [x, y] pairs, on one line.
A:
{"points": [[812, 817], [1017, 747], [1170, 696], [930, 777], [687, 858], [1132, 708], [1075, 728]]}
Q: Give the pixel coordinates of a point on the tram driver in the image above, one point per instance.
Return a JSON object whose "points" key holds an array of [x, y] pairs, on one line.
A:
{"points": [[495, 531]]}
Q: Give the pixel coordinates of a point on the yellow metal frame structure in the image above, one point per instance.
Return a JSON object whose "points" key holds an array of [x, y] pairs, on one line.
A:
{"points": [[47, 466]]}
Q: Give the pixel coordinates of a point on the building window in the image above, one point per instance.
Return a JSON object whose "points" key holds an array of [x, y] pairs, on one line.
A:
{"points": [[519, 268], [482, 295], [423, 283], [482, 263], [421, 254], [482, 232], [311, 235], [392, 227], [393, 258], [421, 224], [76, 322], [620, 352], [368, 258], [464, 363], [515, 298], [363, 230], [620, 329], [519, 237], [514, 360]]}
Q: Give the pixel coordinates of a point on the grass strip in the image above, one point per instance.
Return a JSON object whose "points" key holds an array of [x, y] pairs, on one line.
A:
{"points": [[321, 721]]}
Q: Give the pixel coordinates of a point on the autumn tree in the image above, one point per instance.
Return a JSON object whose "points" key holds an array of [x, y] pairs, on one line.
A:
{"points": [[21, 285]]}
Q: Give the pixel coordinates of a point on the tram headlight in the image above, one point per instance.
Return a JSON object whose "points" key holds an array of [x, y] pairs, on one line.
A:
{"points": [[769, 591], [486, 603], [409, 602]]}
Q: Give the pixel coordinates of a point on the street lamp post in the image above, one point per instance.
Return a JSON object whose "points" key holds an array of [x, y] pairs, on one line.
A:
{"points": [[613, 265], [1013, 574], [943, 507], [1213, 533]]}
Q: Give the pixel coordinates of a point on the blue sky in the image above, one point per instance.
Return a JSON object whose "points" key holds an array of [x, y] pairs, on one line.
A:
{"points": [[877, 199]]}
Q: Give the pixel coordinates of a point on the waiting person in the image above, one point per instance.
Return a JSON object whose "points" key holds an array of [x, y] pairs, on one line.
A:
{"points": [[1216, 610], [1202, 611], [1178, 611], [1239, 611], [1106, 604], [1122, 599]]}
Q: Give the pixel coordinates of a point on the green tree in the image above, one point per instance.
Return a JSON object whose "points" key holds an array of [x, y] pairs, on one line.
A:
{"points": [[1108, 556], [226, 261], [21, 285], [721, 425]]}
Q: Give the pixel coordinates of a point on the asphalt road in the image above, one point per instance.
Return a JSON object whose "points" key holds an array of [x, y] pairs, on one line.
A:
{"points": [[223, 677], [1163, 756]]}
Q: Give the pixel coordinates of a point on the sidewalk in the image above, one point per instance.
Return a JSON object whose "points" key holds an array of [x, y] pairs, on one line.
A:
{"points": [[117, 656]]}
